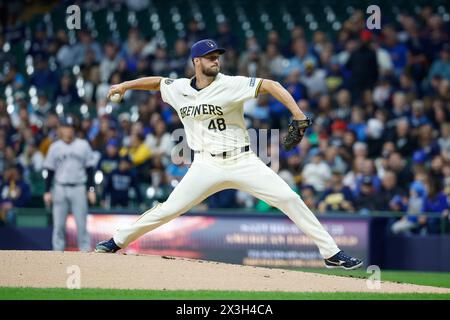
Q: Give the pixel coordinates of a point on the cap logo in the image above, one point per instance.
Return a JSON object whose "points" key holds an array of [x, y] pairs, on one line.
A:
{"points": [[210, 44]]}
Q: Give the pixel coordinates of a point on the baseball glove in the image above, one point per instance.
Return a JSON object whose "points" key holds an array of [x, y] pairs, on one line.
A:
{"points": [[296, 131]]}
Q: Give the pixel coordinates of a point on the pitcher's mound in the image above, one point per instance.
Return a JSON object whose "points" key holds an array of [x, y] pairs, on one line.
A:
{"points": [[47, 269]]}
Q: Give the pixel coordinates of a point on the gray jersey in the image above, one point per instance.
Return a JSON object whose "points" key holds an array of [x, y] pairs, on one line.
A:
{"points": [[69, 161]]}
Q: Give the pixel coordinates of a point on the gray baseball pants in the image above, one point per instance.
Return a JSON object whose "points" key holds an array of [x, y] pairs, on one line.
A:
{"points": [[70, 199]]}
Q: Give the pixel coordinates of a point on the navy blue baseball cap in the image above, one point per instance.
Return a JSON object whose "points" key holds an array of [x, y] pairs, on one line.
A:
{"points": [[205, 46]]}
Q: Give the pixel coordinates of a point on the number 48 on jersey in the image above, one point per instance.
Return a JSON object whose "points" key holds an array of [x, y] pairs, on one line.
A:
{"points": [[215, 124]]}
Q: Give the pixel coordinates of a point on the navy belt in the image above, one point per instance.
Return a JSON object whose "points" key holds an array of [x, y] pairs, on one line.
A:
{"points": [[225, 154], [70, 184]]}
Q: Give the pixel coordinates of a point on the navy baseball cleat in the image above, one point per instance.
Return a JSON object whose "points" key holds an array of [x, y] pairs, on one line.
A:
{"points": [[107, 246], [341, 260]]}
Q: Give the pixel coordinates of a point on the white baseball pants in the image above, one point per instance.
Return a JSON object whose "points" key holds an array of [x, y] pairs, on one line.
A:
{"points": [[245, 171]]}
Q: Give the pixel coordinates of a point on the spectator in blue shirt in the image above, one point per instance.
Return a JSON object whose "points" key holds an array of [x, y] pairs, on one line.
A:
{"points": [[12, 76], [66, 92], [40, 43], [337, 197], [427, 143], [358, 124], [368, 170], [223, 199], [436, 201], [441, 67], [109, 160], [278, 112], [85, 43], [118, 184], [389, 194], [418, 116], [43, 78], [365, 203], [225, 37], [301, 56], [177, 169], [262, 109], [414, 220], [14, 192], [397, 50]]}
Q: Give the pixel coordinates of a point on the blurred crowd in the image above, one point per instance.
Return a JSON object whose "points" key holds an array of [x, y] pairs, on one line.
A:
{"points": [[380, 101]]}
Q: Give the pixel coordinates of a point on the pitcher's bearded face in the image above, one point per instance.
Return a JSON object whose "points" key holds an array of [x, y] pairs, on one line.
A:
{"points": [[210, 65]]}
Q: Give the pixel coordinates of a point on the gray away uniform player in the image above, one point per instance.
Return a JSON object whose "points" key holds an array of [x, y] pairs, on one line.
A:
{"points": [[210, 105], [70, 164]]}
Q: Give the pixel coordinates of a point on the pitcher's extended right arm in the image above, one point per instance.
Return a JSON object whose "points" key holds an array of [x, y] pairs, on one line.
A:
{"points": [[146, 83]]}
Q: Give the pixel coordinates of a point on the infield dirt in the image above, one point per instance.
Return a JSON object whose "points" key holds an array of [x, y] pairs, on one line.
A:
{"points": [[47, 269]]}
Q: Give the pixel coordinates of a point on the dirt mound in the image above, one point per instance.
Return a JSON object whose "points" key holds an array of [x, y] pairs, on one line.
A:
{"points": [[52, 270]]}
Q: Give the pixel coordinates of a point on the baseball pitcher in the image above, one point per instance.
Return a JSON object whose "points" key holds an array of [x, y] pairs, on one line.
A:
{"points": [[210, 106]]}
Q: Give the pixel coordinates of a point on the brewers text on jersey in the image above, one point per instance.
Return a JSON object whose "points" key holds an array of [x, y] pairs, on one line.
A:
{"points": [[203, 109]]}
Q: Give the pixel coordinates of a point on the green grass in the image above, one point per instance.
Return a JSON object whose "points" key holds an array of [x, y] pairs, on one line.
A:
{"points": [[102, 294], [435, 279]]}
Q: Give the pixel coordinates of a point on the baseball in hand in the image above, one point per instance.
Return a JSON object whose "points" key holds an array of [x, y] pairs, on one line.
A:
{"points": [[115, 97]]}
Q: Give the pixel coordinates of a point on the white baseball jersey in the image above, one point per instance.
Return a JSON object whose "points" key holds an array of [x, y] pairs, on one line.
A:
{"points": [[213, 117]]}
